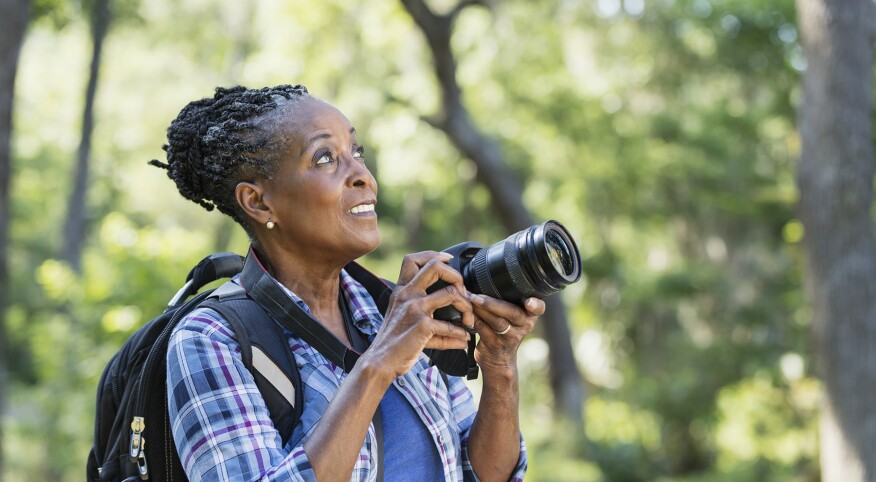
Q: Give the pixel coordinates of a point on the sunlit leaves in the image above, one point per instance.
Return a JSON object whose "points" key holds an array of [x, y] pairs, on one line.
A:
{"points": [[58, 281], [755, 421]]}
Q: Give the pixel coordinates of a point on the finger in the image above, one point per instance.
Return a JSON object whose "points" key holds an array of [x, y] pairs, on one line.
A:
{"points": [[481, 327], [491, 322], [434, 270], [450, 296], [534, 306], [412, 263], [447, 343], [445, 329], [493, 309]]}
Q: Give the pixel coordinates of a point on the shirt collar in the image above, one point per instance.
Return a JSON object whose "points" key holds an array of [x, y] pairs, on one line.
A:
{"points": [[366, 316]]}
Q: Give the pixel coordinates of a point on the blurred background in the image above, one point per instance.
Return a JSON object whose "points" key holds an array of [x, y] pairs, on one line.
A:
{"points": [[663, 133]]}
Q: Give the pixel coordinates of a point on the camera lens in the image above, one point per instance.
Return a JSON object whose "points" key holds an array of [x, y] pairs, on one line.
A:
{"points": [[558, 252], [537, 261]]}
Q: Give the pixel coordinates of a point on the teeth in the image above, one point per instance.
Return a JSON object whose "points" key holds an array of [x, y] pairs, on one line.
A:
{"points": [[362, 208]]}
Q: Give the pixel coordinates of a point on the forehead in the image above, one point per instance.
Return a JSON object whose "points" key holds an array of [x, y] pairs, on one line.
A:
{"points": [[302, 118]]}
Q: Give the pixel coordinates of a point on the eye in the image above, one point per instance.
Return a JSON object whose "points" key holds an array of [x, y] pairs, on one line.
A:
{"points": [[323, 157], [359, 152]]}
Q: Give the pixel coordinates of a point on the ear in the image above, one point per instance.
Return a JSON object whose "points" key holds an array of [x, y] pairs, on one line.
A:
{"points": [[250, 197]]}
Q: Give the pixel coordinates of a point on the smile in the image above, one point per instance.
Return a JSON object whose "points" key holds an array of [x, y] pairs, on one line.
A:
{"points": [[362, 209]]}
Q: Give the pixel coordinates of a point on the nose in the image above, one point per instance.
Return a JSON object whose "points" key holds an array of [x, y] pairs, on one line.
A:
{"points": [[359, 176]]}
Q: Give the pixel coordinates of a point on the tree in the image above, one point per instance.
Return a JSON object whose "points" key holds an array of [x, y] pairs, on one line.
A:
{"points": [[74, 226], [835, 178], [506, 191], [15, 14]]}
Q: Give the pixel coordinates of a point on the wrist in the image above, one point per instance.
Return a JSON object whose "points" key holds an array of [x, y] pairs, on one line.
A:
{"points": [[376, 373], [500, 376]]}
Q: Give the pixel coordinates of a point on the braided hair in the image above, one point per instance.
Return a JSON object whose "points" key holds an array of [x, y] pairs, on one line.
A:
{"points": [[215, 143]]}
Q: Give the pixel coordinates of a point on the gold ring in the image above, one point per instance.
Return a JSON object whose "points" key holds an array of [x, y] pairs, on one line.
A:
{"points": [[505, 330]]}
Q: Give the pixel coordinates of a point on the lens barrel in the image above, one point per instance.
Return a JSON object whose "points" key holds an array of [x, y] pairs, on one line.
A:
{"points": [[537, 261]]}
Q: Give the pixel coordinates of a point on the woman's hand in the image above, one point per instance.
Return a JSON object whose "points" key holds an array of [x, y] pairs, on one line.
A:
{"points": [[409, 326], [494, 442], [502, 327]]}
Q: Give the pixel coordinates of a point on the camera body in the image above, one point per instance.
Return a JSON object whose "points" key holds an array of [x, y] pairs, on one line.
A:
{"points": [[463, 254]]}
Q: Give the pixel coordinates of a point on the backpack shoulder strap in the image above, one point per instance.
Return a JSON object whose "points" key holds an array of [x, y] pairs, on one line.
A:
{"points": [[265, 354]]}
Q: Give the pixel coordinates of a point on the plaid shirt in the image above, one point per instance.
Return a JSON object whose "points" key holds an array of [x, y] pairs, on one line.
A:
{"points": [[223, 430]]}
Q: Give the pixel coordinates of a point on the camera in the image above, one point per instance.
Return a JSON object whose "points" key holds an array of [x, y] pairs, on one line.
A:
{"points": [[537, 261]]}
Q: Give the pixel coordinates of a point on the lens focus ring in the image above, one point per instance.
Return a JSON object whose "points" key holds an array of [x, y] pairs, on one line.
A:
{"points": [[482, 274], [515, 271]]}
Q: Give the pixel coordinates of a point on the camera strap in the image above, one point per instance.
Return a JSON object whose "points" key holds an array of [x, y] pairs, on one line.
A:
{"points": [[263, 289], [473, 369]]}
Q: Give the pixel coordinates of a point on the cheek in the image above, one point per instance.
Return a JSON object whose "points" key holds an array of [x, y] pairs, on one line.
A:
{"points": [[312, 200]]}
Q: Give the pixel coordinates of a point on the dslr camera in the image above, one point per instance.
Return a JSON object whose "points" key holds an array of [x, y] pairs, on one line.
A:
{"points": [[537, 261]]}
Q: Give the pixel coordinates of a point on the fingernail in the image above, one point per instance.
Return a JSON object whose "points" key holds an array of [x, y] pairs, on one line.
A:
{"points": [[476, 299], [531, 303], [445, 256]]}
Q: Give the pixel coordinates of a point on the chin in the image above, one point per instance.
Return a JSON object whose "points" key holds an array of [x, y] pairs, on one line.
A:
{"points": [[374, 241], [369, 243]]}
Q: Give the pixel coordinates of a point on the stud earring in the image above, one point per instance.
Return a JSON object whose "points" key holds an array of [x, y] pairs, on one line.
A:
{"points": [[270, 225]]}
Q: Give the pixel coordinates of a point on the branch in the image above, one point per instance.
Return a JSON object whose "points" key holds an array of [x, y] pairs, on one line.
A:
{"points": [[456, 123], [434, 121], [467, 3], [424, 16], [504, 187], [429, 22]]}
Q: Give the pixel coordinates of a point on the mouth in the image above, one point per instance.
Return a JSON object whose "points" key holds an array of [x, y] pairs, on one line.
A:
{"points": [[364, 209]]}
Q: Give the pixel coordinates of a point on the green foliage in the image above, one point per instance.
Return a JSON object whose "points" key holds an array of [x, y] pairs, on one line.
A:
{"points": [[661, 133]]}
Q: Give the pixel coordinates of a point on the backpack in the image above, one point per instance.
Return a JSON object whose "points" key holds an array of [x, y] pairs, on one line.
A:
{"points": [[132, 393]]}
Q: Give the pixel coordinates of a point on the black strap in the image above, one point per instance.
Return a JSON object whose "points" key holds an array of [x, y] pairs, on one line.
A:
{"points": [[252, 326], [357, 339], [379, 288], [265, 291]]}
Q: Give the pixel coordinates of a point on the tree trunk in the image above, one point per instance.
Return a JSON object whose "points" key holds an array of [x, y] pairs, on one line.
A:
{"points": [[75, 224], [835, 178], [506, 191], [15, 14]]}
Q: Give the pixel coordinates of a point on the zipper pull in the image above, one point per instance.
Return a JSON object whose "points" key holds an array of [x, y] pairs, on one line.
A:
{"points": [[141, 460], [137, 442]]}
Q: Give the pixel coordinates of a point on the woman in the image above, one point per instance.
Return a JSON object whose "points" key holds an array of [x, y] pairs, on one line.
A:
{"points": [[289, 169]]}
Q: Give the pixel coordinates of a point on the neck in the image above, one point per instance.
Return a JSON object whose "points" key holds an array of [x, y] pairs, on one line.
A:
{"points": [[315, 281]]}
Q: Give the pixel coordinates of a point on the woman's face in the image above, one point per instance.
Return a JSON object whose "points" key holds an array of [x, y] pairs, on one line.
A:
{"points": [[323, 195]]}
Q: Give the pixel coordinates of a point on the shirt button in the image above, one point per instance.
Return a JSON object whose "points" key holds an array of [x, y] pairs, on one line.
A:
{"points": [[442, 438], [401, 382]]}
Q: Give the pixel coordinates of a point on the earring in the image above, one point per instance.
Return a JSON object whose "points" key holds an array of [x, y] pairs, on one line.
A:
{"points": [[270, 225]]}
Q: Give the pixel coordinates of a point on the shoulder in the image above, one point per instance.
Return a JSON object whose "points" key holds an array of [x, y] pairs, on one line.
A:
{"points": [[204, 323]]}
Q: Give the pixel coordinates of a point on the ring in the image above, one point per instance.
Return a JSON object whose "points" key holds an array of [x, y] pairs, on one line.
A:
{"points": [[505, 330]]}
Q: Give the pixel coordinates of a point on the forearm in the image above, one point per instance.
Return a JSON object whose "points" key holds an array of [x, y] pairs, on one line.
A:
{"points": [[494, 441], [337, 438]]}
